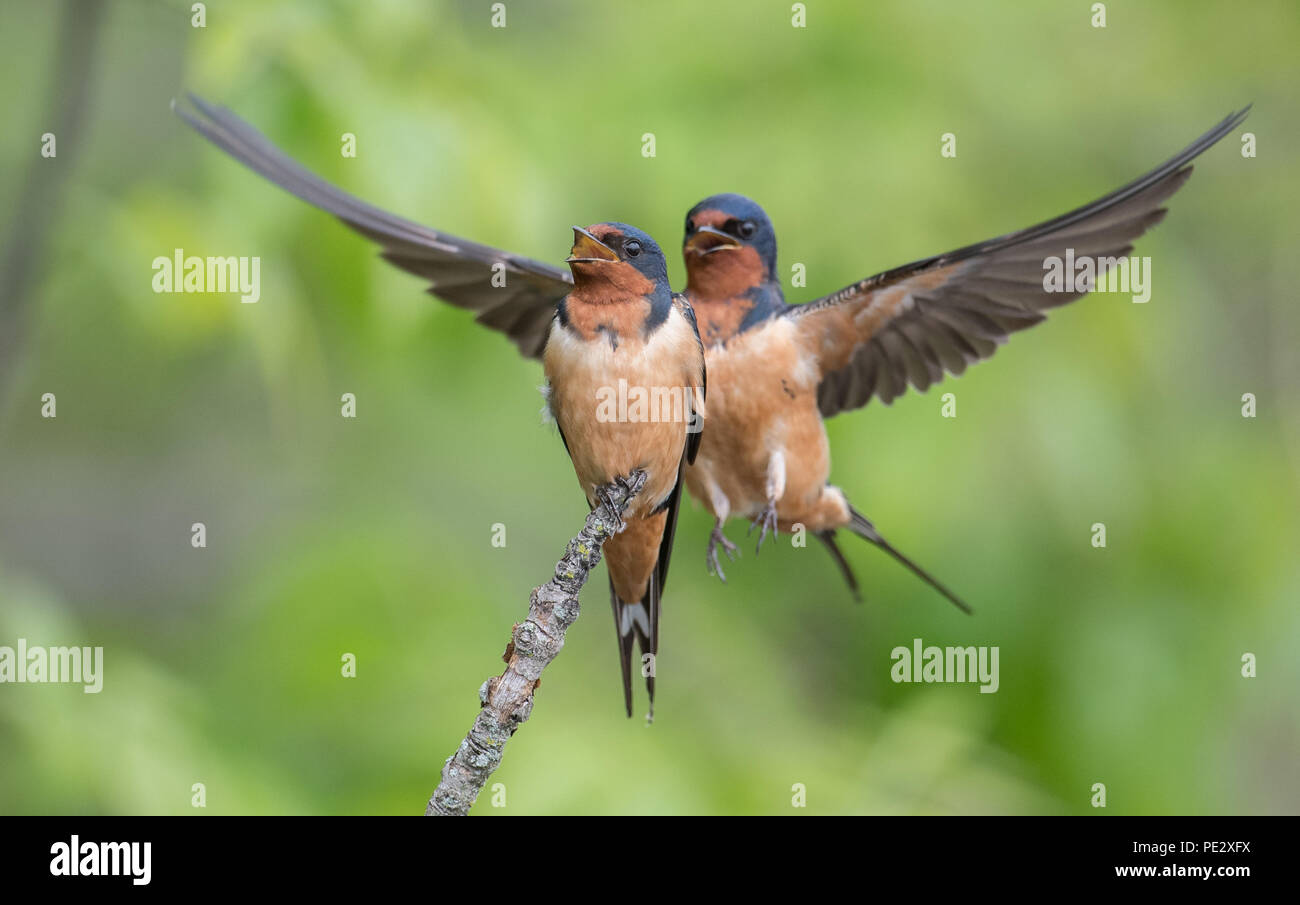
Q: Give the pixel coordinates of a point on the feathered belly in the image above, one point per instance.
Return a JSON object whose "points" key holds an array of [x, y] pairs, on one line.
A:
{"points": [[762, 399], [618, 413], [603, 451]]}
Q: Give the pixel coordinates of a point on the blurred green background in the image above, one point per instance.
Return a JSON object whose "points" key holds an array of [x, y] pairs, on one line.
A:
{"points": [[373, 536]]}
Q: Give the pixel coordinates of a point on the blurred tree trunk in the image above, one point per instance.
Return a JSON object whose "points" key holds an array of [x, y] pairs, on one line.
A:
{"points": [[38, 198]]}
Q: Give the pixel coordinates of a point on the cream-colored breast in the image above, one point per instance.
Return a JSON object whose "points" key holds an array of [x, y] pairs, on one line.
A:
{"points": [[762, 399], [595, 385]]}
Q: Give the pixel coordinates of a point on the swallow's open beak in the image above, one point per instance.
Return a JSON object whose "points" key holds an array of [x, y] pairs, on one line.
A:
{"points": [[707, 239], [587, 249]]}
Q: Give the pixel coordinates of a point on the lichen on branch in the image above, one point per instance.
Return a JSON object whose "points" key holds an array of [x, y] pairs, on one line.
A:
{"points": [[507, 699]]}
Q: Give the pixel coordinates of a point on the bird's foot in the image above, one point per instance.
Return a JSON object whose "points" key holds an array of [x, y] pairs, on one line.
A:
{"points": [[765, 521], [715, 539], [606, 498]]}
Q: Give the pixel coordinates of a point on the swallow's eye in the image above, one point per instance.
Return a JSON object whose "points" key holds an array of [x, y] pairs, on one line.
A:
{"points": [[632, 248], [747, 229]]}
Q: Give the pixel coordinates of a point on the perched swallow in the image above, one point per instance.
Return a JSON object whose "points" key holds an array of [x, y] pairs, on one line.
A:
{"points": [[613, 317], [778, 370], [622, 331]]}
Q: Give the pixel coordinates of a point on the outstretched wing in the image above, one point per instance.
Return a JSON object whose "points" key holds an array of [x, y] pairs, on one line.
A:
{"points": [[912, 324], [459, 271]]}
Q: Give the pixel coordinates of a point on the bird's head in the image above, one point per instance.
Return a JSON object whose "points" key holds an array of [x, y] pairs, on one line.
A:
{"points": [[729, 246], [617, 259]]}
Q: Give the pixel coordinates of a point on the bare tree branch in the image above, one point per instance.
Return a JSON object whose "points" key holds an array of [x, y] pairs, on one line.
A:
{"points": [[508, 699]]}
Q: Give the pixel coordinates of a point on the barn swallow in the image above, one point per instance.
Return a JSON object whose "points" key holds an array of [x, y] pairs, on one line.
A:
{"points": [[612, 316], [778, 370], [905, 326], [620, 327]]}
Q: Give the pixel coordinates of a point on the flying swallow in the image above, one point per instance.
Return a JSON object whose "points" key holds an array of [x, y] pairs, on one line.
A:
{"points": [[621, 332], [778, 370]]}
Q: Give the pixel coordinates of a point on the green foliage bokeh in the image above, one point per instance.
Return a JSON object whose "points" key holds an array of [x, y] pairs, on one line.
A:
{"points": [[372, 536]]}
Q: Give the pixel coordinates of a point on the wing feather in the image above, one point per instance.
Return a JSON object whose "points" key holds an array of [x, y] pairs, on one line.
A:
{"points": [[459, 271], [912, 325]]}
